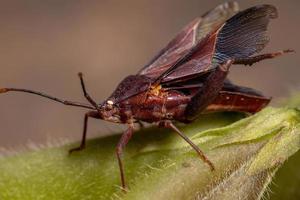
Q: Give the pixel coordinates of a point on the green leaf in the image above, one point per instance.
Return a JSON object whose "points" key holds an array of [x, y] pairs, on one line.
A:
{"points": [[159, 165]]}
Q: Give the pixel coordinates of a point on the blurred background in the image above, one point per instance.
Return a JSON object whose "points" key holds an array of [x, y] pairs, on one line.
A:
{"points": [[44, 44]]}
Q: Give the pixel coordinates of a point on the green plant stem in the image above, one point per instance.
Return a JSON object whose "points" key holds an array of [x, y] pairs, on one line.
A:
{"points": [[160, 165]]}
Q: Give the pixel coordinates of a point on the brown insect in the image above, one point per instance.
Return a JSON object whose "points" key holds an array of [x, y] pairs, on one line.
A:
{"points": [[187, 77]]}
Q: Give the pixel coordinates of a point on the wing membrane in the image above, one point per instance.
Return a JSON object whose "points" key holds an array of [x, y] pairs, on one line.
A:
{"points": [[239, 37], [245, 34]]}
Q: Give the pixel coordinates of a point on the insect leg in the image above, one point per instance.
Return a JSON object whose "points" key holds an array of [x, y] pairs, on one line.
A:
{"points": [[141, 125], [209, 91], [119, 151], [93, 114], [87, 96], [251, 60], [169, 124], [65, 102]]}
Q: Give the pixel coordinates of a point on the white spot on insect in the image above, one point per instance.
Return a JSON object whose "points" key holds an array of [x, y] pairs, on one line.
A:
{"points": [[227, 98], [110, 102], [242, 99]]}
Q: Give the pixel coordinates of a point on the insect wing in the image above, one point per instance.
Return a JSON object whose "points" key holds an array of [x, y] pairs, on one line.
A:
{"points": [[176, 49], [130, 86], [245, 34], [241, 36], [196, 64], [190, 36]]}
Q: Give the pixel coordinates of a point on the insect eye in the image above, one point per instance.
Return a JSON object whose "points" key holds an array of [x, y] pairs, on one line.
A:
{"points": [[108, 107]]}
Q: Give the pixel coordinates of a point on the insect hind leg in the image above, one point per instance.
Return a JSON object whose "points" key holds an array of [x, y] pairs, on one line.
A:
{"points": [[206, 95], [251, 60]]}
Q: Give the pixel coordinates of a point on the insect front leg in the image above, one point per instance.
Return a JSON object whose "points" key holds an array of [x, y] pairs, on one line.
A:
{"points": [[119, 151], [251, 60], [169, 124], [93, 114]]}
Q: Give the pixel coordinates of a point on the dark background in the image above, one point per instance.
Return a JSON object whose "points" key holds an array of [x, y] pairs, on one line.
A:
{"points": [[44, 44]]}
